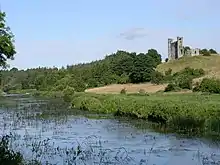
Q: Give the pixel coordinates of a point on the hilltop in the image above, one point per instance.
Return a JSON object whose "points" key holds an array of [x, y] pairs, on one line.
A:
{"points": [[210, 64]]}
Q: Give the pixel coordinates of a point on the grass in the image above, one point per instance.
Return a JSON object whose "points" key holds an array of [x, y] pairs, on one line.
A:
{"points": [[23, 91], [185, 112], [209, 63]]}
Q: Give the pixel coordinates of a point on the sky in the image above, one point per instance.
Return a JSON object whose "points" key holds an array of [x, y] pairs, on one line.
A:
{"points": [[59, 33]]}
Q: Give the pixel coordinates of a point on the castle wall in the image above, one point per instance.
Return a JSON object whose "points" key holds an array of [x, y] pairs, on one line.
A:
{"points": [[180, 51], [195, 52], [173, 50], [176, 49], [170, 48]]}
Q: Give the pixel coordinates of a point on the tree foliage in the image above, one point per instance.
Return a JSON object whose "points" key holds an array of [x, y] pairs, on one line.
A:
{"points": [[119, 67], [206, 52], [210, 85], [7, 48]]}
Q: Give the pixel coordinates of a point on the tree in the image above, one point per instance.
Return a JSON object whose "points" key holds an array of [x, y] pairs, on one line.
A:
{"points": [[157, 77], [212, 51], [14, 69], [7, 48], [155, 55], [204, 52]]}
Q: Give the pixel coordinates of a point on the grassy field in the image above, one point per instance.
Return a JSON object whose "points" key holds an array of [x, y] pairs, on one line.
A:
{"points": [[130, 88]]}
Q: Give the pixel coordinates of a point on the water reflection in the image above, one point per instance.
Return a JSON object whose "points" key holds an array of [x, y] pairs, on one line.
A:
{"points": [[67, 139]]}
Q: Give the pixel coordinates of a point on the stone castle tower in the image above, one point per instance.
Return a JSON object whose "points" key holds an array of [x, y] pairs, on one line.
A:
{"points": [[176, 49]]}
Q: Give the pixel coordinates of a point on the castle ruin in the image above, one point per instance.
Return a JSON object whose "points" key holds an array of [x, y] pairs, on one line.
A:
{"points": [[177, 50]]}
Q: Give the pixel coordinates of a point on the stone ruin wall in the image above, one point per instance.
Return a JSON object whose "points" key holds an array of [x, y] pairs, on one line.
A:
{"points": [[176, 49]]}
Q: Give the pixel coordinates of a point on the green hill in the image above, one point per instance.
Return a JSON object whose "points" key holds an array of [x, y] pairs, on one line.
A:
{"points": [[211, 65]]}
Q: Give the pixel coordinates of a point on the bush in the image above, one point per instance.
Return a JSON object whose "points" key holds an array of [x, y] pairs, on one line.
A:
{"points": [[142, 91], [184, 78], [8, 156], [157, 78], [168, 72], [170, 87], [205, 52], [210, 85], [68, 92], [196, 87], [185, 82], [123, 91], [194, 73]]}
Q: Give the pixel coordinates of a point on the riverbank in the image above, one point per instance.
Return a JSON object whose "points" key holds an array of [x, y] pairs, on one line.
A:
{"points": [[190, 112]]}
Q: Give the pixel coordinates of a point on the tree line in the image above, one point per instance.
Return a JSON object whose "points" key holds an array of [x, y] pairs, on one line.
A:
{"points": [[120, 67]]}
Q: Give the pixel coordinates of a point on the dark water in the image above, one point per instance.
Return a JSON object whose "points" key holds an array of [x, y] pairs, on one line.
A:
{"points": [[100, 141]]}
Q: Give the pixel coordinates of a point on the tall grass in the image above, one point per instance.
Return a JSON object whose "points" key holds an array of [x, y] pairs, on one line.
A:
{"points": [[191, 112]]}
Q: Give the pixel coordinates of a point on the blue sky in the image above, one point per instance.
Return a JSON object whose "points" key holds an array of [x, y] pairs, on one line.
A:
{"points": [[57, 33]]}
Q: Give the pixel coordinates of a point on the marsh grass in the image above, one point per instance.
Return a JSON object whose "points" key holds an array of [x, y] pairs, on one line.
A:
{"points": [[190, 112]]}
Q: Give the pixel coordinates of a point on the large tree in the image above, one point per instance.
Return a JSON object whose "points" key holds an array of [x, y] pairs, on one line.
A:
{"points": [[7, 47]]}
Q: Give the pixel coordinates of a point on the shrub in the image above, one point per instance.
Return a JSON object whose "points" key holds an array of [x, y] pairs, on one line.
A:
{"points": [[8, 156], [168, 72], [194, 73], [183, 79], [210, 85], [141, 91], [196, 87], [157, 78], [170, 87], [205, 52], [185, 82], [68, 92], [123, 91]]}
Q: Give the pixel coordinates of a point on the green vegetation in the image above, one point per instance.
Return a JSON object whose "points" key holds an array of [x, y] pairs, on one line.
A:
{"points": [[182, 79], [7, 48], [7, 155], [186, 112], [206, 52], [210, 64], [120, 67], [208, 85]]}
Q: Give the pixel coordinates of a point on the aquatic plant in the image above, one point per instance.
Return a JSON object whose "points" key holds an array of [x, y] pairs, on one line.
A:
{"points": [[7, 155]]}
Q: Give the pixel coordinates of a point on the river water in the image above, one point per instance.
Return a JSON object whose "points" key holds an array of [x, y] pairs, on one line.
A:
{"points": [[76, 139]]}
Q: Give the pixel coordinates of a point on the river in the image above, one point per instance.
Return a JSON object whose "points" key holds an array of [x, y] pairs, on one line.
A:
{"points": [[69, 138]]}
